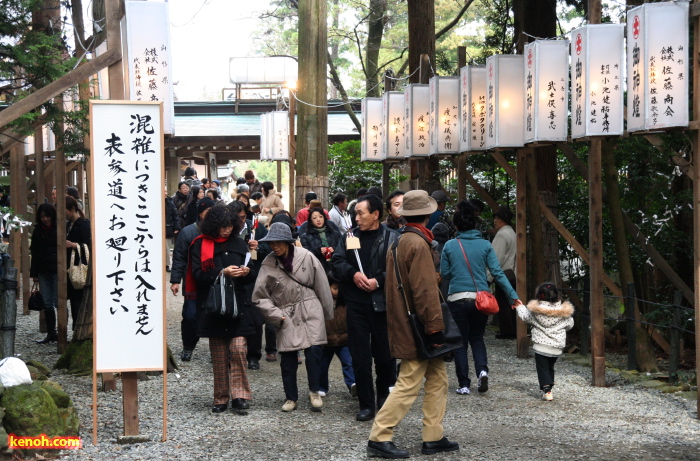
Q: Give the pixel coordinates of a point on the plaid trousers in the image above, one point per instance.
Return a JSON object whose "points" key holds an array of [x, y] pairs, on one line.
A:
{"points": [[228, 358]]}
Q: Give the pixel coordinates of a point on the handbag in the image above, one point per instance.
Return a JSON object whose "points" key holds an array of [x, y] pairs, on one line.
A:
{"points": [[36, 301], [485, 301], [77, 273], [424, 348], [221, 299]]}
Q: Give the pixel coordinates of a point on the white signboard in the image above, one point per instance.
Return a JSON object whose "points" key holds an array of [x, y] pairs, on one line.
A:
{"points": [[657, 63], [596, 80], [546, 90], [372, 134], [472, 119], [148, 56], [444, 115], [128, 233], [416, 118], [393, 113]]}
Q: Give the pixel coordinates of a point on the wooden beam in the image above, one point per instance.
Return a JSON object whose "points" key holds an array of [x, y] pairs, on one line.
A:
{"points": [[483, 193], [504, 163], [57, 87]]}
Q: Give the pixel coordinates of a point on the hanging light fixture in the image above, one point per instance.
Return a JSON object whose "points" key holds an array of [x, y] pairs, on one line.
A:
{"points": [[505, 114], [472, 120], [416, 118], [393, 116], [657, 63], [546, 90], [371, 136], [444, 115], [596, 80]]}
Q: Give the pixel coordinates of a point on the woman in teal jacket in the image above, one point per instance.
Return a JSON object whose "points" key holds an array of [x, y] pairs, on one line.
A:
{"points": [[462, 292]]}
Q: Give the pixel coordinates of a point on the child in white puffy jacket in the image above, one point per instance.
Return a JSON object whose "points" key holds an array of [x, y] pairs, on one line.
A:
{"points": [[550, 319]]}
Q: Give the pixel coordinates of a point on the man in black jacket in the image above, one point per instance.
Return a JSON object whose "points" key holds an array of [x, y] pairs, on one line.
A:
{"points": [[188, 325], [361, 270]]}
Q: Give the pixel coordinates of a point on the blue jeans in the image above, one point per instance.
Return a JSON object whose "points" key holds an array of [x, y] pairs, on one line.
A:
{"points": [[48, 285], [343, 353], [472, 324]]}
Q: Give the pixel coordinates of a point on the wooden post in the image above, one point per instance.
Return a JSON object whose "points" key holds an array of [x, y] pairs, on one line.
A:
{"points": [[523, 342], [595, 231], [279, 176], [39, 165], [674, 359], [584, 328], [24, 235], [696, 190], [15, 190], [292, 151], [172, 171], [59, 172], [462, 159], [631, 328], [9, 313]]}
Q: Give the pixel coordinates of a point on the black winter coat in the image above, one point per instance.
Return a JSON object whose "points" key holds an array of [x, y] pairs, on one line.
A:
{"points": [[79, 233], [263, 251], [172, 220], [311, 240], [231, 252], [44, 251]]}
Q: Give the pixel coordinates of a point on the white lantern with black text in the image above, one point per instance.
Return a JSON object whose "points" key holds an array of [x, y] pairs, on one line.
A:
{"points": [[472, 118], [546, 90], [444, 115], [393, 115], [280, 135], [596, 80], [416, 120], [505, 116], [657, 66], [371, 144]]}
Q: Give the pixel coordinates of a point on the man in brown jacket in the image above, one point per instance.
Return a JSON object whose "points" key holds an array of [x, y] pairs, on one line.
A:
{"points": [[417, 264]]}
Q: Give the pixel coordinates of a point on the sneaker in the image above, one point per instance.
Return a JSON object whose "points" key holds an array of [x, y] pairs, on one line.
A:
{"points": [[289, 405], [321, 393], [483, 384], [186, 356], [463, 391], [547, 396], [316, 402]]}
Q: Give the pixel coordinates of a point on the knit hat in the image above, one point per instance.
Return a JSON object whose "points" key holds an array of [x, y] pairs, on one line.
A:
{"points": [[204, 204], [417, 203], [279, 232]]}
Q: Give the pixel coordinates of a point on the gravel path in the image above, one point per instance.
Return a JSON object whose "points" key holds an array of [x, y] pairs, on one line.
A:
{"points": [[621, 422]]}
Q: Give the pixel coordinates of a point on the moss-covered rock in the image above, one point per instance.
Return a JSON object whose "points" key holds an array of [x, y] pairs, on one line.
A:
{"points": [[30, 410], [70, 420], [77, 358], [41, 368], [59, 396]]}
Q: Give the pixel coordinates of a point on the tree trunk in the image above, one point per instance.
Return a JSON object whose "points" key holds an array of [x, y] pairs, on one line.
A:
{"points": [[377, 10], [312, 133], [646, 360]]}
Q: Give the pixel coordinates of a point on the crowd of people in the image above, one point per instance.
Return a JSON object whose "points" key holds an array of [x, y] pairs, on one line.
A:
{"points": [[341, 283]]}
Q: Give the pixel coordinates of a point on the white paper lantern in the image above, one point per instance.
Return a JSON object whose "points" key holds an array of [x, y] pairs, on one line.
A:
{"points": [[546, 90], [280, 135], [472, 118], [263, 136], [596, 80], [505, 115], [416, 119], [393, 116], [444, 115], [371, 135], [657, 63]]}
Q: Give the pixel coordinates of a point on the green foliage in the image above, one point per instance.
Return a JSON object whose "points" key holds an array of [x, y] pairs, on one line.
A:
{"points": [[347, 174]]}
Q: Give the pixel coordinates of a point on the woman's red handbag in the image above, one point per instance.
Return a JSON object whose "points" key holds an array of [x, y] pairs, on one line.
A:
{"points": [[485, 301]]}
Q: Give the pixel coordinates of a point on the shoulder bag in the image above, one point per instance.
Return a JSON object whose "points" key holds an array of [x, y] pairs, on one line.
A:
{"points": [[36, 301], [485, 300], [221, 299], [453, 338], [77, 273]]}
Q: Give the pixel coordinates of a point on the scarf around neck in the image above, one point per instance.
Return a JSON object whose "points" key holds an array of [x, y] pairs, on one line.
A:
{"points": [[424, 230], [286, 261], [321, 231], [206, 261]]}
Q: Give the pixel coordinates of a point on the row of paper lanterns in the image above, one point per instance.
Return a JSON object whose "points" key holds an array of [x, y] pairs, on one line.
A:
{"points": [[274, 135], [521, 99]]}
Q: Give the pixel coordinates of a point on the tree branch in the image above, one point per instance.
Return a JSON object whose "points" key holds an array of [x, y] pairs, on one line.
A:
{"points": [[343, 94]]}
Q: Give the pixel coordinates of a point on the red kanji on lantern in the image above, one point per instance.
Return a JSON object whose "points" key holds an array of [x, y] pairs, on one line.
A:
{"points": [[529, 58], [635, 25], [490, 71], [579, 43]]}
